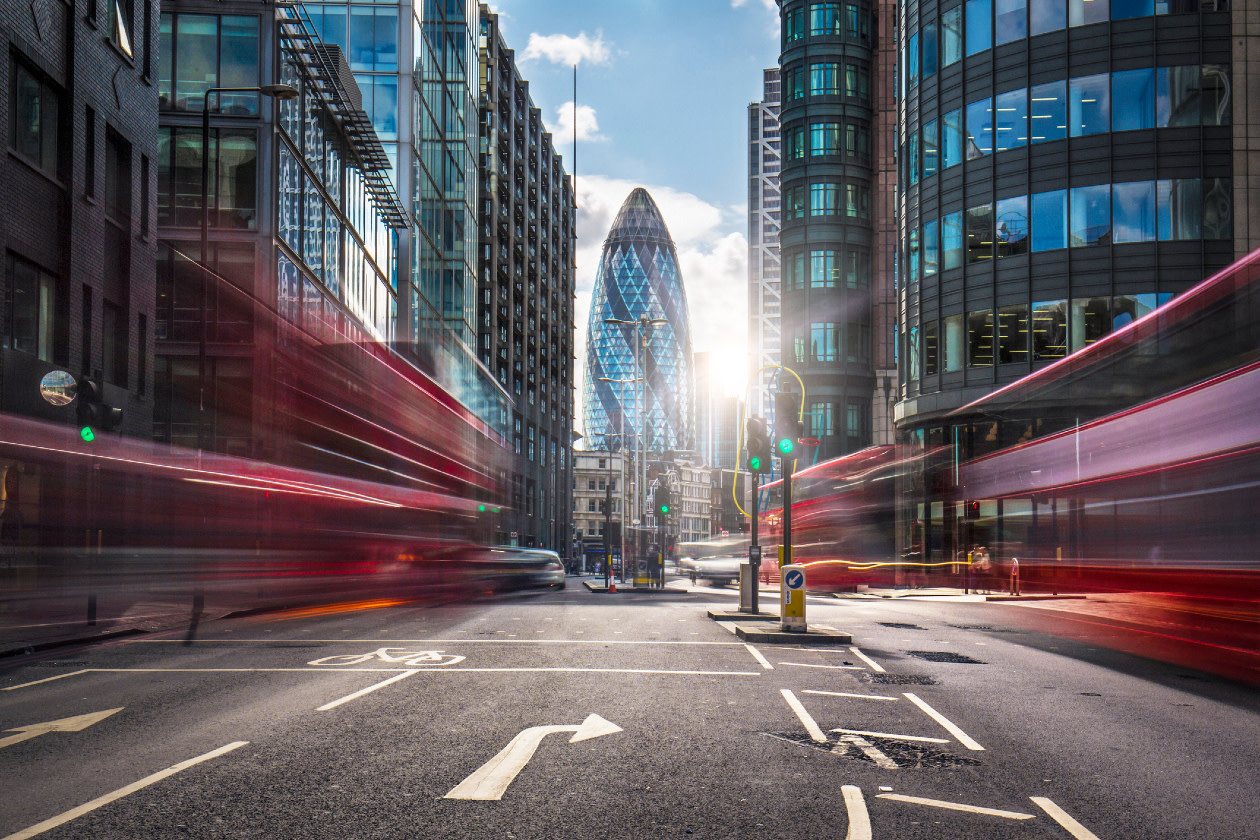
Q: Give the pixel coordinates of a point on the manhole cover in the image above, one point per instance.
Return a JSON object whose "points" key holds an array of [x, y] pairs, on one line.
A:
{"points": [[905, 755], [897, 625], [945, 656], [896, 679]]}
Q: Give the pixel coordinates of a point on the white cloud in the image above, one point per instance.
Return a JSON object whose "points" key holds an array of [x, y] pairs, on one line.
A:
{"points": [[562, 129], [712, 256], [568, 50], [770, 6]]}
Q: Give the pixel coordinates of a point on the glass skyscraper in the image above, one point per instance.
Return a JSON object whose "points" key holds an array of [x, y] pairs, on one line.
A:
{"points": [[638, 276]]}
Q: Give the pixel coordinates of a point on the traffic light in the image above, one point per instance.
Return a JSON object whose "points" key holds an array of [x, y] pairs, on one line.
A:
{"points": [[93, 413], [787, 425], [662, 500], [758, 446]]}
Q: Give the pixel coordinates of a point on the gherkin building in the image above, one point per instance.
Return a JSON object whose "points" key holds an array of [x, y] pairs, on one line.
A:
{"points": [[639, 282]]}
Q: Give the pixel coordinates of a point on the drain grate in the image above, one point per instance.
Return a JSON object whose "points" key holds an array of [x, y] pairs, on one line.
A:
{"points": [[897, 625], [896, 679], [905, 755], [945, 656]]}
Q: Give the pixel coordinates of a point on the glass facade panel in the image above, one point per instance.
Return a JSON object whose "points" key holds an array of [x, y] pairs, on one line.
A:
{"points": [[1012, 226], [930, 50], [953, 348], [912, 158], [1047, 15], [1049, 330], [1178, 208], [979, 128], [951, 36], [931, 351], [980, 338], [1133, 212], [912, 249], [1088, 104], [1010, 20], [1215, 86], [931, 248], [1217, 209], [1125, 309], [1177, 99], [1012, 119], [1013, 334], [1082, 12], [980, 233], [824, 79], [824, 19], [1048, 120], [931, 149], [1121, 9], [952, 240], [1090, 321], [1049, 220], [912, 59], [824, 199], [1090, 209], [824, 138], [951, 139], [1133, 98], [979, 26], [824, 342], [823, 269]]}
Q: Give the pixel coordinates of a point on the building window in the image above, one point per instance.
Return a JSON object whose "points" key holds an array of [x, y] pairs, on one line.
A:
{"points": [[951, 139], [856, 424], [1133, 214], [1012, 226], [824, 342], [1090, 209], [1049, 330], [823, 269], [930, 349], [199, 52], [931, 248], [824, 79], [36, 112], [1083, 12], [979, 26], [979, 128], [233, 191], [954, 344], [824, 19], [857, 141], [824, 199], [1011, 120], [980, 338], [117, 177], [980, 233], [952, 240], [1049, 220], [858, 200], [31, 324], [793, 25], [931, 149], [951, 36], [1012, 335], [824, 138], [821, 419], [122, 24], [1047, 15], [1089, 100], [1048, 112], [114, 343]]}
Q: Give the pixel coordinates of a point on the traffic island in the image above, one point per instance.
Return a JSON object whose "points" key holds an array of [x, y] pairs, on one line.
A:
{"points": [[736, 615], [815, 635]]}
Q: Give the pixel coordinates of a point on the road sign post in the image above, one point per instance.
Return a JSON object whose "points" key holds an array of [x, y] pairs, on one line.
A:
{"points": [[792, 599]]}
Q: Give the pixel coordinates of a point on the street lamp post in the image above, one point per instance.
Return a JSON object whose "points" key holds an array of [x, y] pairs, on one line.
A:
{"points": [[641, 323], [278, 92]]}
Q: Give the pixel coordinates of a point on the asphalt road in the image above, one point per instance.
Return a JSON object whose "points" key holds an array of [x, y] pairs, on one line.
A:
{"points": [[423, 722]]}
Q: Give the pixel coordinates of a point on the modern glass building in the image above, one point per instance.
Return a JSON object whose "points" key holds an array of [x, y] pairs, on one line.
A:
{"points": [[765, 302], [1066, 166], [638, 278]]}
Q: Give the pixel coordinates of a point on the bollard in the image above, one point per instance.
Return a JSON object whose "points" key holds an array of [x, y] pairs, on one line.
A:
{"points": [[1014, 575], [792, 599]]}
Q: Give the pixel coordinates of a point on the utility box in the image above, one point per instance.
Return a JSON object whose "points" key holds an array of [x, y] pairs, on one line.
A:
{"points": [[747, 580], [792, 599]]}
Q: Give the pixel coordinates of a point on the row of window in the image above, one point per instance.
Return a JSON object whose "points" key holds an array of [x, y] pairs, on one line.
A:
{"points": [[1127, 100], [1044, 331], [200, 52], [993, 22], [1177, 209], [827, 78], [827, 268], [827, 137], [820, 418], [827, 199], [827, 20], [821, 341]]}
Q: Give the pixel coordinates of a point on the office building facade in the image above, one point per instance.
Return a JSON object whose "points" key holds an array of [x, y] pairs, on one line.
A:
{"points": [[525, 294], [764, 297]]}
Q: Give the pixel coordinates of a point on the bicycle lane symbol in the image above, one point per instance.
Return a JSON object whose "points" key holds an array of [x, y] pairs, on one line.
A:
{"points": [[401, 656]]}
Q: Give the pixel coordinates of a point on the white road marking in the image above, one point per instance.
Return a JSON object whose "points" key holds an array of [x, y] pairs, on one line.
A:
{"points": [[489, 781], [957, 806], [834, 667], [1062, 817], [282, 643], [894, 737], [334, 704], [46, 679], [875, 666], [859, 819], [558, 669], [71, 724], [870, 751], [73, 813], [811, 726], [765, 663], [963, 738], [847, 694]]}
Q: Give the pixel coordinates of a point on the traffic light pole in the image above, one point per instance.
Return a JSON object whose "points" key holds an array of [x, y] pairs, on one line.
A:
{"points": [[787, 512], [754, 550]]}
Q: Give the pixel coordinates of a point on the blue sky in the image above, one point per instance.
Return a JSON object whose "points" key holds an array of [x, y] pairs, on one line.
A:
{"points": [[663, 91]]}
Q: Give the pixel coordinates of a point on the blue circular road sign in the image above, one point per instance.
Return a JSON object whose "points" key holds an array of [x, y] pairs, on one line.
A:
{"points": [[794, 579]]}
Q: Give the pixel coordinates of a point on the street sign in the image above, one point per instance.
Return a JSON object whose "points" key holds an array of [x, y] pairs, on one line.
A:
{"points": [[792, 599], [794, 579]]}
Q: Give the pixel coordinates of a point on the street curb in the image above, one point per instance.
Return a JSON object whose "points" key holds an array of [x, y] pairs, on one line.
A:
{"points": [[77, 640], [814, 635], [718, 615]]}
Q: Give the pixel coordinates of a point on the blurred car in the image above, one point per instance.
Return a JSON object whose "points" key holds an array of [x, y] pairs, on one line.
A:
{"points": [[719, 571], [526, 568]]}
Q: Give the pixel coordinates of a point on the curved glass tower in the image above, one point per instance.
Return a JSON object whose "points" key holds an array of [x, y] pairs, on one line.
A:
{"points": [[638, 278]]}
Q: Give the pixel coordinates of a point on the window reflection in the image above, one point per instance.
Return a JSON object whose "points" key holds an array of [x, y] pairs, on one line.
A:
{"points": [[1048, 107], [1133, 92], [912, 248], [1121, 9], [912, 59], [952, 240], [824, 138], [929, 50], [1049, 220], [1133, 212], [912, 158], [1047, 15], [1091, 320], [931, 248], [824, 79], [931, 150], [1088, 104], [823, 269], [980, 233], [1010, 21], [979, 26], [1125, 309], [1012, 226], [1178, 207], [952, 357], [980, 338], [1082, 12], [979, 128], [1013, 334], [1090, 209], [951, 139], [1012, 119], [930, 349], [951, 36], [1049, 330]]}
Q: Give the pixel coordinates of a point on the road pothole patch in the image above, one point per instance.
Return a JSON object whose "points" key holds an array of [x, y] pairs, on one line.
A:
{"points": [[899, 625], [896, 679], [945, 656], [905, 755]]}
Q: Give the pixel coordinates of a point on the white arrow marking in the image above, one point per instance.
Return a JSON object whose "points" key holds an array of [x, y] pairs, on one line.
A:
{"points": [[490, 780], [70, 724]]}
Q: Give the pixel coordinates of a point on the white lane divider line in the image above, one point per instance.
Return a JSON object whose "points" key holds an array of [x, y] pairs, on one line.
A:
{"points": [[73, 813], [1062, 817], [334, 704], [957, 806], [963, 738], [869, 750], [811, 725], [859, 819], [875, 666], [847, 694], [892, 736], [833, 667], [46, 679], [765, 663]]}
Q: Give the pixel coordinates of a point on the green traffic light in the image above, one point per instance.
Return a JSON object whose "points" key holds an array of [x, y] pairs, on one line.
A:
{"points": [[754, 464], [481, 508], [785, 446], [87, 434], [664, 508]]}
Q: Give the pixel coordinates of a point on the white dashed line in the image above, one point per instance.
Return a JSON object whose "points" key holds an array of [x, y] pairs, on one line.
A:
{"points": [[958, 806], [875, 666], [811, 726], [765, 663], [1062, 817], [46, 679], [334, 704], [834, 667], [847, 694], [963, 738]]}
